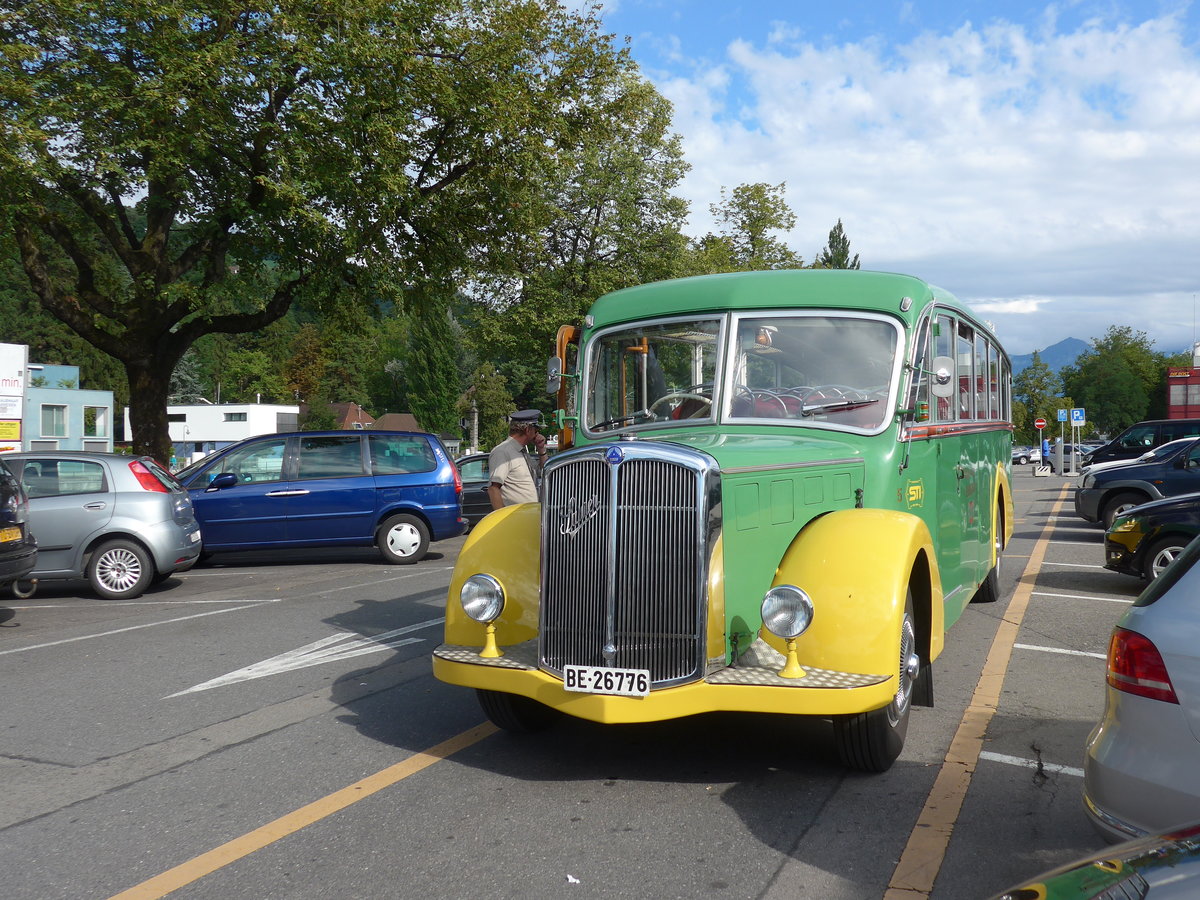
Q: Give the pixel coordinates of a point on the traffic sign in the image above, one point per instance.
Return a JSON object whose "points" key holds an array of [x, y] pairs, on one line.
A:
{"points": [[1077, 417], [1039, 423], [1062, 415]]}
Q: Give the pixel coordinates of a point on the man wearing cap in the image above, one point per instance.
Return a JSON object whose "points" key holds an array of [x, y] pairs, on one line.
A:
{"points": [[512, 475]]}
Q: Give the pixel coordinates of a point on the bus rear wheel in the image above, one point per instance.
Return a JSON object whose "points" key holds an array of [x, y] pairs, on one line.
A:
{"points": [[871, 741]]}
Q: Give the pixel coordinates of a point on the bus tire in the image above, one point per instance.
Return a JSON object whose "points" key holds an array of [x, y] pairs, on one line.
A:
{"points": [[871, 741], [515, 713], [989, 590]]}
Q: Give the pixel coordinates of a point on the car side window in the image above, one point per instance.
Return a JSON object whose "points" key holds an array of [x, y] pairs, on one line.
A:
{"points": [[61, 477], [474, 470], [401, 454], [1138, 437], [255, 463], [337, 456]]}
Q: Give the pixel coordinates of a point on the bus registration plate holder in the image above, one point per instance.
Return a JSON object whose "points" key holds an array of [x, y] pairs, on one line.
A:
{"points": [[603, 680]]}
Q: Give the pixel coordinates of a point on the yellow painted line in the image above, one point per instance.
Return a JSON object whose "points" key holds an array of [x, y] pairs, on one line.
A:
{"points": [[922, 858], [219, 857]]}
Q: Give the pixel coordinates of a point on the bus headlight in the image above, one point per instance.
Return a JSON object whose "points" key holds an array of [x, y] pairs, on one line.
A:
{"points": [[482, 598], [787, 611]]}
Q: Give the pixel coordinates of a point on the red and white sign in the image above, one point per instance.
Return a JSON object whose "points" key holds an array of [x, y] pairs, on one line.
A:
{"points": [[1039, 424]]}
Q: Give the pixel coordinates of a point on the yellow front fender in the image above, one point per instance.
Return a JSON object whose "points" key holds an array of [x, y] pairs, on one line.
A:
{"points": [[505, 545], [858, 565]]}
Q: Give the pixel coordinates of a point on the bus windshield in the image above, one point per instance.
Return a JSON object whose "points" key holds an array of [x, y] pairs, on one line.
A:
{"points": [[654, 372], [815, 368]]}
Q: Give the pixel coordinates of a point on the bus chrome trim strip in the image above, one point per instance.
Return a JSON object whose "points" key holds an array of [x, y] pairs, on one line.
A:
{"points": [[847, 461], [953, 429]]}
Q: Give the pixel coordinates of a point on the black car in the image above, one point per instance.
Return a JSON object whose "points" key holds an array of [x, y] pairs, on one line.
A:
{"points": [[18, 547], [1146, 539], [474, 471]]}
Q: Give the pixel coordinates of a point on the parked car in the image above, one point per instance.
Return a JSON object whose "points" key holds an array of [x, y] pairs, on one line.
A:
{"points": [[1162, 867], [398, 490], [1146, 539], [122, 522], [474, 471], [1137, 439], [1160, 452], [1104, 495], [18, 546], [1140, 772], [1024, 455]]}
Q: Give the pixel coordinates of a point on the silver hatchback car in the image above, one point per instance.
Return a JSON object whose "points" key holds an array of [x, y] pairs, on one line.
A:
{"points": [[122, 522], [1140, 772]]}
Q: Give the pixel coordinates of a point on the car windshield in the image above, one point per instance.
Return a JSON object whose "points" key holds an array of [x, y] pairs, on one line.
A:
{"points": [[656, 372], [822, 369]]}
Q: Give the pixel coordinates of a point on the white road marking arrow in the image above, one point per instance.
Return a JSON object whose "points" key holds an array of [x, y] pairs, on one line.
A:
{"points": [[328, 649]]}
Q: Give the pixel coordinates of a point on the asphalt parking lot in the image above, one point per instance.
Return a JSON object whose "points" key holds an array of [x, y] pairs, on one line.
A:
{"points": [[268, 727]]}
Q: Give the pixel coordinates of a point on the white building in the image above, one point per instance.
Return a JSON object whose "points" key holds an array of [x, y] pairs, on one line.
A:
{"points": [[197, 430]]}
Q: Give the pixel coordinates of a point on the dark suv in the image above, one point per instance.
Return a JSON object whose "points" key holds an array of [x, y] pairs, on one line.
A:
{"points": [[18, 548], [1137, 439], [398, 490], [1102, 496]]}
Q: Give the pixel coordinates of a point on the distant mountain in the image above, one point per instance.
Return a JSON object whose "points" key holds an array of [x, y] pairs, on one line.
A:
{"points": [[1055, 356]]}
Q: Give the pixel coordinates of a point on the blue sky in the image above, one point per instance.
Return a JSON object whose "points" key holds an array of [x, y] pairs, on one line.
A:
{"points": [[1041, 161]]}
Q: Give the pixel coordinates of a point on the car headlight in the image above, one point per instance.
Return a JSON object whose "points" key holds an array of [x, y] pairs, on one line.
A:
{"points": [[482, 598], [1123, 524], [1088, 480], [787, 611]]}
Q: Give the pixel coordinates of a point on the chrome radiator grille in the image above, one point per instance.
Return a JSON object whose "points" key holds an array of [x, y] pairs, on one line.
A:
{"points": [[624, 564]]}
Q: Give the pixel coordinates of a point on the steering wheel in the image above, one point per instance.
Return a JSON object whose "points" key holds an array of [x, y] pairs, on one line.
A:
{"points": [[681, 395]]}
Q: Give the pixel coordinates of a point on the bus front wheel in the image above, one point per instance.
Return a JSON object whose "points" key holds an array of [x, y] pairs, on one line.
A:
{"points": [[871, 741], [515, 713]]}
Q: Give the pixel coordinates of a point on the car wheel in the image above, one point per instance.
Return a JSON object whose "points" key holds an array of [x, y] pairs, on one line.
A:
{"points": [[515, 713], [24, 588], [1120, 503], [120, 570], [403, 539], [871, 741], [1022, 460], [1161, 554]]}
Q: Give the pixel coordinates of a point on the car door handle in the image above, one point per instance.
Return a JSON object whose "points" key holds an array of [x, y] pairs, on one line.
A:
{"points": [[98, 504], [286, 493]]}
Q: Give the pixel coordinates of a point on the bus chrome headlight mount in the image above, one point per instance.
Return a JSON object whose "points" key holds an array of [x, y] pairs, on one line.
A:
{"points": [[787, 611], [482, 598]]}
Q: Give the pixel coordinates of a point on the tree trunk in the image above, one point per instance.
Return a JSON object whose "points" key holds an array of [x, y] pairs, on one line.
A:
{"points": [[148, 390]]}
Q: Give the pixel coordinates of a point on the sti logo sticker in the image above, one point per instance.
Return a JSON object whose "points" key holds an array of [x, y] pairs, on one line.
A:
{"points": [[915, 494]]}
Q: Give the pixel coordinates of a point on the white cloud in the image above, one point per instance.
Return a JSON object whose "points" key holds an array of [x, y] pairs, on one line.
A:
{"points": [[1039, 171]]}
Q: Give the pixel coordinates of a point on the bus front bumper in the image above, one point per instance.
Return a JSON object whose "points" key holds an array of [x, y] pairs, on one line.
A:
{"points": [[819, 692]]}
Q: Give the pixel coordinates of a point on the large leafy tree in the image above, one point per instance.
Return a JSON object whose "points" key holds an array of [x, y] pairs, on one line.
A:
{"points": [[1119, 380], [747, 216], [173, 170], [1040, 390]]}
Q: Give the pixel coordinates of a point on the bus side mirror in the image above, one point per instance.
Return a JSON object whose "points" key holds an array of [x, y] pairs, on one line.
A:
{"points": [[554, 375], [942, 377]]}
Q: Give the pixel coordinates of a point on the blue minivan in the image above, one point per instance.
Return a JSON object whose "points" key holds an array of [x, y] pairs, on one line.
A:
{"points": [[398, 490]]}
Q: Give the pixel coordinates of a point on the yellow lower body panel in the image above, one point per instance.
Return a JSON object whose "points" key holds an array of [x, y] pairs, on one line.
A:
{"points": [[818, 693]]}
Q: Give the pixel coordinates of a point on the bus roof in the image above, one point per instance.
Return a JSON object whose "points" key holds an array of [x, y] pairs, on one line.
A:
{"points": [[776, 289]]}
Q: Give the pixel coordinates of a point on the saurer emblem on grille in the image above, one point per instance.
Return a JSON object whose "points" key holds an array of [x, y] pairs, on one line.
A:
{"points": [[577, 515]]}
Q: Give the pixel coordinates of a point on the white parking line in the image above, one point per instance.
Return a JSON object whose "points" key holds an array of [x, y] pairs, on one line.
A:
{"points": [[1085, 597], [88, 637], [104, 604], [1061, 650], [1049, 562], [343, 645], [1031, 764]]}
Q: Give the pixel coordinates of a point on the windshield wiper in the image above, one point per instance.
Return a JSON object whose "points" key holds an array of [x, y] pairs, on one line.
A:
{"points": [[835, 404], [632, 417]]}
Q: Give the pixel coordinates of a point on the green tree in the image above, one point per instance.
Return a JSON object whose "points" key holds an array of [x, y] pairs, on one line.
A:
{"points": [[172, 172], [186, 384], [1118, 380], [432, 372], [747, 216], [836, 253], [1039, 389], [492, 404]]}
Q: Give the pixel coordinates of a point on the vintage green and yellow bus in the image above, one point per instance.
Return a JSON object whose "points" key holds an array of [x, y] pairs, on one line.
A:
{"points": [[783, 488]]}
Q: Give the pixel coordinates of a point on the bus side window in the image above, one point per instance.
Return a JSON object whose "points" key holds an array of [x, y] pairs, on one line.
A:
{"points": [[943, 345]]}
